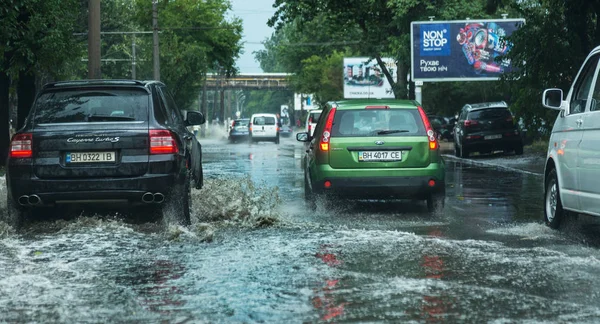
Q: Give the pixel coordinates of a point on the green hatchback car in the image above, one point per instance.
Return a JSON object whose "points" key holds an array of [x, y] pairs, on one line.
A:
{"points": [[374, 149]]}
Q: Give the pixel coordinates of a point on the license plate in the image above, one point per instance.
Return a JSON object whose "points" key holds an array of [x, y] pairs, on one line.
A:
{"points": [[379, 156], [90, 157], [489, 137]]}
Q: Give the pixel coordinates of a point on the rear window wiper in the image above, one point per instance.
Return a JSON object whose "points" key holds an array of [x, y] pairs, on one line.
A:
{"points": [[109, 118], [392, 131]]}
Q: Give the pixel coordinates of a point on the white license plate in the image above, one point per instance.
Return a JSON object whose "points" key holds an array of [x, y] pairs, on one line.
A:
{"points": [[90, 157], [489, 137], [381, 156]]}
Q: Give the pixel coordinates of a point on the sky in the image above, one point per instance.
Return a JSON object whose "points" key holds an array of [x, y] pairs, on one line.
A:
{"points": [[254, 14]]}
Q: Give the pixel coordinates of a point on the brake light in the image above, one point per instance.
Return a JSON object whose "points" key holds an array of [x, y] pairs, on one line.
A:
{"points": [[470, 122], [250, 127], [433, 144], [377, 107], [309, 128], [21, 146], [324, 143], [162, 142]]}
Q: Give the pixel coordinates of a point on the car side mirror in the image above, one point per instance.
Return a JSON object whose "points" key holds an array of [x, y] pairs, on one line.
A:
{"points": [[302, 137], [552, 98], [194, 118]]}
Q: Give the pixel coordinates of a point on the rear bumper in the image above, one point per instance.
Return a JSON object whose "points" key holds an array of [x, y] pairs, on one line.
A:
{"points": [[505, 143], [381, 184], [128, 190]]}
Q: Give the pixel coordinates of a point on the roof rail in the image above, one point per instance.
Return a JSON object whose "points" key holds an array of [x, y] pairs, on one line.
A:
{"points": [[71, 83], [481, 105]]}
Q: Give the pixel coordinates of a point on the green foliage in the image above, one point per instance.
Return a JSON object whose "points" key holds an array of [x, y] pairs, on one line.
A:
{"points": [[267, 101]]}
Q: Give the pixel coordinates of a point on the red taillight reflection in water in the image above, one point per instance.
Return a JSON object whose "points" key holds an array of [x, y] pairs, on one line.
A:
{"points": [[324, 299]]}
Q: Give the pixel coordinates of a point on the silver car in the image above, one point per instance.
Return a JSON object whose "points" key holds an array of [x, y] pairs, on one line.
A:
{"points": [[573, 160]]}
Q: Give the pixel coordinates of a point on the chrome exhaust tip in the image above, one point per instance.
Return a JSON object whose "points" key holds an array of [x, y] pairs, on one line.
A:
{"points": [[148, 197], [34, 200], [159, 198], [24, 200]]}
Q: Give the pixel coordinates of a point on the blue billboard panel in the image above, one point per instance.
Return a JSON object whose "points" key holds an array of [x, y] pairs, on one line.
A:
{"points": [[462, 50]]}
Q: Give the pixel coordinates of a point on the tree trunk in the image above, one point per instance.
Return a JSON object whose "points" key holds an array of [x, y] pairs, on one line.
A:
{"points": [[25, 97], [4, 119]]}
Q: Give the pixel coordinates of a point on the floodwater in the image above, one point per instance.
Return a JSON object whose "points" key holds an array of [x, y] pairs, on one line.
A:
{"points": [[255, 253]]}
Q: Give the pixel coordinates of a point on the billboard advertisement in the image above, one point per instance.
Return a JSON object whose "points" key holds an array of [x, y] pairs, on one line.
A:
{"points": [[461, 50], [363, 78]]}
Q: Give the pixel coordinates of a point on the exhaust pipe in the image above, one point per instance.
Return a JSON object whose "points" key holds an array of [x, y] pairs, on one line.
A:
{"points": [[148, 197], [159, 198], [24, 200], [34, 200]]}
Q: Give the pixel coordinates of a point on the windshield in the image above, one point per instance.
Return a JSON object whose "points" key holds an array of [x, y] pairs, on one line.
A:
{"points": [[78, 106]]}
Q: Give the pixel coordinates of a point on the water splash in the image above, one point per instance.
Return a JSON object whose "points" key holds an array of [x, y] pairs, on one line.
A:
{"points": [[238, 200]]}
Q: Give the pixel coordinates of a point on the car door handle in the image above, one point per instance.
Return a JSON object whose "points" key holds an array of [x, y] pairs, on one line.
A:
{"points": [[579, 122], [188, 137]]}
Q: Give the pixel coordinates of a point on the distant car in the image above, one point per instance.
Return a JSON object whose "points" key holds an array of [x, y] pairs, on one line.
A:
{"points": [[286, 131], [104, 142], [486, 127], [311, 120], [264, 127], [374, 149], [573, 159], [441, 127], [239, 130]]}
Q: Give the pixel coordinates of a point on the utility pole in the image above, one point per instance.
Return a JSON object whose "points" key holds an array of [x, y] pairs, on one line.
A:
{"points": [[94, 71], [155, 54]]}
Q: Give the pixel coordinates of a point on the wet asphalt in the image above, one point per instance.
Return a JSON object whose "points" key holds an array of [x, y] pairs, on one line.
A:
{"points": [[255, 253]]}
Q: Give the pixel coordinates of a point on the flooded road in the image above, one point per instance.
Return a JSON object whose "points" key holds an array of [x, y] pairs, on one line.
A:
{"points": [[255, 253]]}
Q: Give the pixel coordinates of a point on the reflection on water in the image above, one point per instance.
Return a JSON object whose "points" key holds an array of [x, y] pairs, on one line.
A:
{"points": [[325, 297]]}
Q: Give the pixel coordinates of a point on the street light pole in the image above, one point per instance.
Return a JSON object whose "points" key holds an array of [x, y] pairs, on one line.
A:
{"points": [[133, 63], [155, 53]]}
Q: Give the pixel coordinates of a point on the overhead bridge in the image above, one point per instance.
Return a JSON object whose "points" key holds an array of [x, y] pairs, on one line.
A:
{"points": [[253, 81]]}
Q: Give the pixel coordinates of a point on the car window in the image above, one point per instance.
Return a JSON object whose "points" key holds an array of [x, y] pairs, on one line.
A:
{"points": [[595, 104], [101, 105], [361, 122], [242, 122], [172, 109], [581, 91], [489, 114], [264, 120], [314, 117]]}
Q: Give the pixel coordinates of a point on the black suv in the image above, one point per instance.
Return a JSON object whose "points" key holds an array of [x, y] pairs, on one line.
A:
{"points": [[486, 127], [104, 142]]}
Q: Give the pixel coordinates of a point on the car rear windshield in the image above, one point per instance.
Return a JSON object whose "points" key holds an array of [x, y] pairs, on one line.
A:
{"points": [[98, 105], [242, 122], [378, 122], [489, 114], [264, 120]]}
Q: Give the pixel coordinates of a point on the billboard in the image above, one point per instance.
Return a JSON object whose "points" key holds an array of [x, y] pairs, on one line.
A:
{"points": [[461, 50], [304, 102], [363, 78]]}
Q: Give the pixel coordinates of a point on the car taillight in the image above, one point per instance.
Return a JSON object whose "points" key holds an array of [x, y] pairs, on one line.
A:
{"points": [[21, 146], [162, 142], [250, 127], [324, 142], [433, 144], [470, 122]]}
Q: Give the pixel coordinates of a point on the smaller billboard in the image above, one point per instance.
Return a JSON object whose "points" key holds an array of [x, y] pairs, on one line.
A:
{"points": [[461, 50], [364, 78], [303, 102]]}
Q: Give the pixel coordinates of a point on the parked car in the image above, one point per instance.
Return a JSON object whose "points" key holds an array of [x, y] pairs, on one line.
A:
{"points": [[442, 129], [374, 149], [264, 127], [104, 141], [572, 164], [239, 130], [311, 120], [486, 127]]}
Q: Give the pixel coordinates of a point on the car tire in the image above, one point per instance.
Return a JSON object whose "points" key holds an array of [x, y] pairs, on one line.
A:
{"points": [[464, 153], [519, 150], [309, 196], [176, 209], [553, 210], [435, 202], [15, 214]]}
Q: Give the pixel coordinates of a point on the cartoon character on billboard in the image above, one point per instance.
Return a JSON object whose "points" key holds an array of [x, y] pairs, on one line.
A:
{"points": [[481, 44]]}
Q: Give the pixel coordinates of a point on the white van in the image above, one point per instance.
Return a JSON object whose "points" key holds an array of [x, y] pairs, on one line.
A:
{"points": [[264, 127], [311, 121], [572, 164]]}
